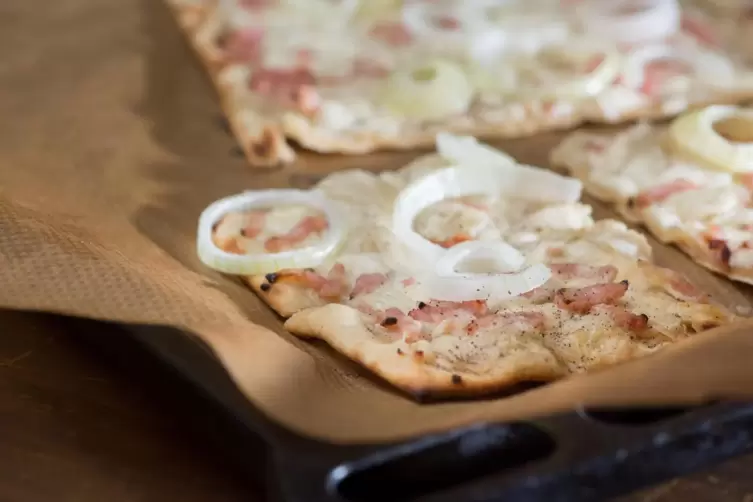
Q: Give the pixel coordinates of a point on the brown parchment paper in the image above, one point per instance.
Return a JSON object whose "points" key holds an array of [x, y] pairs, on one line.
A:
{"points": [[110, 147]]}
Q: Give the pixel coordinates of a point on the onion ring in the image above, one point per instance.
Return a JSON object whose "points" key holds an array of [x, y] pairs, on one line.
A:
{"points": [[252, 264]]}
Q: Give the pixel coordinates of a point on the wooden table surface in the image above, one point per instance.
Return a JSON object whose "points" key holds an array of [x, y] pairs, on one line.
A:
{"points": [[76, 427]]}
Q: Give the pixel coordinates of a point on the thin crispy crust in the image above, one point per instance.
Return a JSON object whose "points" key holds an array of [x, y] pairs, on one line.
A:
{"points": [[267, 145], [286, 299], [341, 327]]}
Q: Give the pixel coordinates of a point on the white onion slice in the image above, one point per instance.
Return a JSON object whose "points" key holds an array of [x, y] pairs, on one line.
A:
{"points": [[630, 21], [450, 285], [262, 263], [553, 84], [468, 150], [435, 90], [471, 34], [694, 134]]}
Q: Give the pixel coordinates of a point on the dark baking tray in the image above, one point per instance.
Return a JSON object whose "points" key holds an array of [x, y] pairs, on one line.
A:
{"points": [[580, 456]]}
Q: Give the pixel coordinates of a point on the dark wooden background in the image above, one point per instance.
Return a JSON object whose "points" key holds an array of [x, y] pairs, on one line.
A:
{"points": [[76, 427]]}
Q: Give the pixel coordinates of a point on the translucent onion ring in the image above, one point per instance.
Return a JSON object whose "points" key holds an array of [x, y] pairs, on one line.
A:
{"points": [[450, 285], [578, 87], [651, 20], [694, 135], [252, 264]]}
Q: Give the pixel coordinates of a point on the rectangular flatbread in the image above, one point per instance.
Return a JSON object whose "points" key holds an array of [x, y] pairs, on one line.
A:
{"points": [[604, 303], [339, 76]]}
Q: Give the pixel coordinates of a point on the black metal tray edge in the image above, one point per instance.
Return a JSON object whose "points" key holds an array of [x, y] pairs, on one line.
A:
{"points": [[582, 456]]}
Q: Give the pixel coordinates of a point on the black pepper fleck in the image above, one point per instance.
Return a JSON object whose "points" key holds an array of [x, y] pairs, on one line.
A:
{"points": [[243, 232], [457, 379], [399, 351], [421, 305], [389, 321], [631, 203], [271, 278], [265, 287], [625, 283]]}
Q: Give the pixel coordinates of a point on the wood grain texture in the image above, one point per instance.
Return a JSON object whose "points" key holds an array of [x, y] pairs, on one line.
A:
{"points": [[77, 429]]}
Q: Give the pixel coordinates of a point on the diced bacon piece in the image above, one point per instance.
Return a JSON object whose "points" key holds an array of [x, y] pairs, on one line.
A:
{"points": [[581, 300], [281, 84], [720, 252], [701, 31], [369, 68], [307, 226], [330, 288], [437, 311], [367, 283], [565, 271], [306, 278], [255, 4], [448, 23], [593, 145], [410, 281], [336, 285], [680, 287], [391, 33], [625, 319], [242, 46], [454, 240], [746, 180], [394, 320], [661, 193], [254, 223], [514, 321], [231, 246], [306, 99], [657, 73]]}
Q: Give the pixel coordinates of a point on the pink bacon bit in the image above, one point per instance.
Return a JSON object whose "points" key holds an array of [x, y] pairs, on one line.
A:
{"points": [[448, 23], [746, 180], [625, 319], [393, 34], [581, 300], [539, 295], [242, 46], [410, 281], [367, 283], [368, 68], [394, 320], [720, 252], [254, 223], [336, 284], [660, 193], [657, 73], [256, 4], [436, 311], [566, 271], [283, 85], [701, 31], [307, 226], [454, 240]]}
